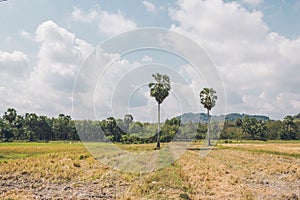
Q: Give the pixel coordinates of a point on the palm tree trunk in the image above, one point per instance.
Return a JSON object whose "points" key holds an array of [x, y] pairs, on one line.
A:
{"points": [[158, 128], [208, 128]]}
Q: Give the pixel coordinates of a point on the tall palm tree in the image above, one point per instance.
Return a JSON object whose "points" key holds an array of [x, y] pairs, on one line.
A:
{"points": [[208, 98], [160, 90]]}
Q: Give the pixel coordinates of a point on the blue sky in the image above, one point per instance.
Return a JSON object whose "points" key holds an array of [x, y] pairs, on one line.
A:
{"points": [[254, 44]]}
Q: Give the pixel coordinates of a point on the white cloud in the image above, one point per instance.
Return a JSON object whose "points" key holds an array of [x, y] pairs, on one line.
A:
{"points": [[147, 59], [15, 56], [14, 64], [79, 15], [60, 51], [108, 23], [212, 16], [252, 60], [26, 35], [114, 23], [14, 71], [150, 6], [60, 55]]}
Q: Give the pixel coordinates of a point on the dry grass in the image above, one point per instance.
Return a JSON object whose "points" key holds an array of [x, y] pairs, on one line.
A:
{"points": [[231, 171], [226, 173], [289, 149], [59, 170]]}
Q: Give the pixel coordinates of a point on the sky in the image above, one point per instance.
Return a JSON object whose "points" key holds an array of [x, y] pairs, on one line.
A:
{"points": [[69, 57]]}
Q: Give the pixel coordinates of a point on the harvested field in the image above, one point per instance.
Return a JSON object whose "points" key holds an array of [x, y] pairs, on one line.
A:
{"points": [[230, 171]]}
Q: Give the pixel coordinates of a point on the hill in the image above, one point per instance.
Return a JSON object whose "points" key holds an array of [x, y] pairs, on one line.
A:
{"points": [[202, 117]]}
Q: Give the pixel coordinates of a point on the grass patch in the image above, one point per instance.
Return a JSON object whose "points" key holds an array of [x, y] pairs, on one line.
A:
{"points": [[295, 155], [18, 150], [39, 148], [281, 148], [166, 183], [139, 147], [9, 156]]}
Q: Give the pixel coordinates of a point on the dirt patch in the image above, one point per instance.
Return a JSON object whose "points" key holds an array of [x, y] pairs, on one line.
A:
{"points": [[59, 176], [20, 188]]}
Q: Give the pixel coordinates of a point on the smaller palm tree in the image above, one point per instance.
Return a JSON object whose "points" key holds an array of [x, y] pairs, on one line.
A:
{"points": [[239, 123], [160, 90], [261, 129], [289, 122], [208, 98], [127, 121]]}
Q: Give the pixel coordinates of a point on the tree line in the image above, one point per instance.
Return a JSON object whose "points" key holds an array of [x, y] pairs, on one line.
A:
{"points": [[253, 129], [32, 127], [128, 132]]}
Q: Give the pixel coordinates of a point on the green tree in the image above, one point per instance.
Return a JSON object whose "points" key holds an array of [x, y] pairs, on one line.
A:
{"points": [[137, 129], [290, 129], [208, 99], [19, 128], [31, 126], [44, 130], [6, 130], [10, 115], [254, 129], [261, 129], [127, 121], [174, 121], [111, 129], [246, 127], [239, 123], [274, 128], [170, 129], [1, 129], [11, 124], [297, 116], [63, 127], [159, 90], [201, 131]]}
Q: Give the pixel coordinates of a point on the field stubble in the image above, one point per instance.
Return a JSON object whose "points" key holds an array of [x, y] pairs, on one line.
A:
{"points": [[229, 171]]}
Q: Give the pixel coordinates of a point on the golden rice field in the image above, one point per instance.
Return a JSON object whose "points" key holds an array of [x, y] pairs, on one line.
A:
{"points": [[248, 170]]}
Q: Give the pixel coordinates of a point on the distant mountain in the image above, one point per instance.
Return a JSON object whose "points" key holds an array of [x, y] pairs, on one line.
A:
{"points": [[202, 117], [234, 116], [297, 116]]}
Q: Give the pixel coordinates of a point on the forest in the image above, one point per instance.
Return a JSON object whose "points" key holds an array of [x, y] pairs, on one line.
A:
{"points": [[32, 127]]}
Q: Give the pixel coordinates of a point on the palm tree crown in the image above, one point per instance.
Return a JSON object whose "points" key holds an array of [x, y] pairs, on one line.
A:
{"points": [[208, 98], [160, 90]]}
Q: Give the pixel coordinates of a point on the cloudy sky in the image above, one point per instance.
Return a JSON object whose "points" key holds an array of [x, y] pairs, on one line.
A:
{"points": [[45, 48]]}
